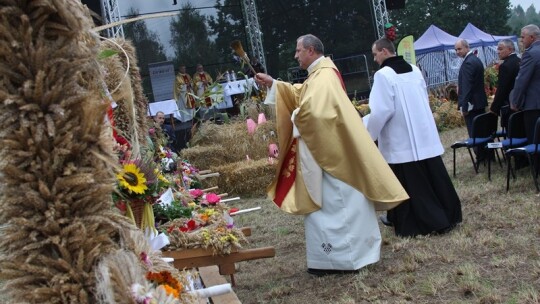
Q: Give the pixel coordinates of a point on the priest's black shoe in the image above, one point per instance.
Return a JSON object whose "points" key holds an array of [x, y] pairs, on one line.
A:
{"points": [[323, 272], [385, 221]]}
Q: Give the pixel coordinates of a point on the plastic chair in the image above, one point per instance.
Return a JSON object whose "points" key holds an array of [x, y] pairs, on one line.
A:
{"points": [[532, 151], [516, 136], [483, 130]]}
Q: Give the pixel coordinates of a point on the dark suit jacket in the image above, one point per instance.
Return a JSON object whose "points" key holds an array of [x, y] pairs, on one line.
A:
{"points": [[471, 84], [526, 92], [508, 70], [168, 129]]}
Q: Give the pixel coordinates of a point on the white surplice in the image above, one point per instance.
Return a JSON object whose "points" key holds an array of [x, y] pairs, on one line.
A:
{"points": [[344, 233]]}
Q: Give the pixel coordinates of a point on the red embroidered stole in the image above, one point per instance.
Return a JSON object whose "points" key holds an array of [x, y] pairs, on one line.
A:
{"points": [[190, 100], [207, 100], [287, 174]]}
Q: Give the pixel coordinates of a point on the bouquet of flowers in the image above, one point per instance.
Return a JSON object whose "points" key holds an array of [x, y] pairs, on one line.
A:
{"points": [[188, 175], [208, 226], [140, 183], [160, 287]]}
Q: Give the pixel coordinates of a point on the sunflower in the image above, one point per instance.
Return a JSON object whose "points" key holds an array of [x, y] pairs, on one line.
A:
{"points": [[132, 179]]}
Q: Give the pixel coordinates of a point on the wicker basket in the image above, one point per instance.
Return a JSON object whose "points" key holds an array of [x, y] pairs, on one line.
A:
{"points": [[137, 207]]}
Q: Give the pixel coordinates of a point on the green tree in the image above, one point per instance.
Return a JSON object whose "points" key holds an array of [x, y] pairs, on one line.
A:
{"points": [[517, 20], [147, 46], [190, 39], [344, 26], [532, 16], [226, 26], [452, 16]]}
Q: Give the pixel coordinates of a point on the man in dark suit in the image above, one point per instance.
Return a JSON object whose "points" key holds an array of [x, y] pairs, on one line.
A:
{"points": [[526, 92], [159, 122], [472, 99], [508, 70]]}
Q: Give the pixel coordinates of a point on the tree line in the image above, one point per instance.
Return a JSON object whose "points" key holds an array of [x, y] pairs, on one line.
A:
{"points": [[346, 27]]}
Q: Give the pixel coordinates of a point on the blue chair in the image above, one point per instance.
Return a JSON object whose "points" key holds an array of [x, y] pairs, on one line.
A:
{"points": [[532, 151], [484, 127], [516, 135]]}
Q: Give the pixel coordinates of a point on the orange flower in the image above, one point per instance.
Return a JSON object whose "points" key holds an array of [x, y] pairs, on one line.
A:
{"points": [[171, 291], [204, 217]]}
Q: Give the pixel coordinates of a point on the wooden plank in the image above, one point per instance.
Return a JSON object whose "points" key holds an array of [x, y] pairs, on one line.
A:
{"points": [[207, 175], [210, 189], [201, 261], [190, 253], [246, 231], [211, 277]]}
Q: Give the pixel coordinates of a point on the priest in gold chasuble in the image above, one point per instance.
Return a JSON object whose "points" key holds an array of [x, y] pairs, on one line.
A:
{"points": [[330, 170], [182, 94]]}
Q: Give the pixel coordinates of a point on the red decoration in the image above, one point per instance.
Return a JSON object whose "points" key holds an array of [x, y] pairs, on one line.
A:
{"points": [[390, 31]]}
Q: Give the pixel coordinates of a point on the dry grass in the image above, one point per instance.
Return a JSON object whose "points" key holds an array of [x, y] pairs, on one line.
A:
{"points": [[492, 257]]}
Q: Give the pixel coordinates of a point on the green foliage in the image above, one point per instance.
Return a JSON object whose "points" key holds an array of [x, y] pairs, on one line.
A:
{"points": [[451, 16], [190, 38], [173, 211], [106, 54], [519, 18], [491, 76], [147, 46], [228, 26], [344, 26]]}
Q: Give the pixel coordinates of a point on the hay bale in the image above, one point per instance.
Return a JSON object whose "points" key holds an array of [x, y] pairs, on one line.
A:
{"points": [[448, 117], [205, 157], [244, 177], [209, 133], [235, 139]]}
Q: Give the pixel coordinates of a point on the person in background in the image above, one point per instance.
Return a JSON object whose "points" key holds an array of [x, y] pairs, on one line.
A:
{"points": [[202, 81], [402, 123], [526, 92], [330, 170], [159, 123], [472, 99], [183, 88], [508, 71]]}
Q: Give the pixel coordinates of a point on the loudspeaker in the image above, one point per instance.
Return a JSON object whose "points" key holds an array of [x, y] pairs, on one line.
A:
{"points": [[394, 4]]}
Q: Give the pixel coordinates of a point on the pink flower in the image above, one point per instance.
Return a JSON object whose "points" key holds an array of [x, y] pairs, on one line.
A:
{"points": [[196, 193], [261, 119], [273, 150], [251, 126], [213, 198], [145, 259]]}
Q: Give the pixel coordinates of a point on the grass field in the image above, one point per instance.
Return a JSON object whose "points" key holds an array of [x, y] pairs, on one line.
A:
{"points": [[492, 257]]}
